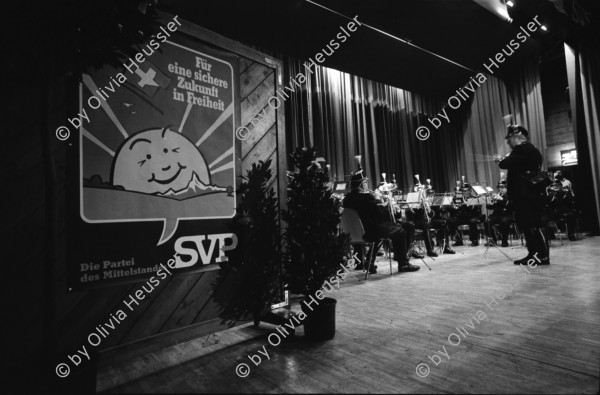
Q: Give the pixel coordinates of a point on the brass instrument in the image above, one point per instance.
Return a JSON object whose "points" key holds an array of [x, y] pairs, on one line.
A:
{"points": [[497, 198], [422, 189]]}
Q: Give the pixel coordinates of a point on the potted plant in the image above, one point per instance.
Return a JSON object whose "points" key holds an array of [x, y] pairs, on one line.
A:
{"points": [[257, 259], [314, 245]]}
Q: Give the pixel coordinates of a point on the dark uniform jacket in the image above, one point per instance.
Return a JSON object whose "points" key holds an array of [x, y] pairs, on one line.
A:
{"points": [[501, 208], [374, 221], [523, 158]]}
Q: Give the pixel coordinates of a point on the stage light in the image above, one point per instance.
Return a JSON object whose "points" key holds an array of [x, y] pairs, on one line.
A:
{"points": [[510, 3], [544, 28]]}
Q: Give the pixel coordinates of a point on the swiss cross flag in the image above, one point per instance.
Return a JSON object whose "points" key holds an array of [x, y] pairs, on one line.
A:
{"points": [[150, 79]]}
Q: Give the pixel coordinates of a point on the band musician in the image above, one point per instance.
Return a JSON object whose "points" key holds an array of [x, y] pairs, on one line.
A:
{"points": [[376, 223], [502, 215], [561, 203], [465, 214], [420, 217], [525, 159]]}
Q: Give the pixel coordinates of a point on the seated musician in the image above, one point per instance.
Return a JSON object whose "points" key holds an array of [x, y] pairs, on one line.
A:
{"points": [[375, 222], [384, 197], [561, 203], [438, 221], [502, 215], [420, 217], [465, 214]]}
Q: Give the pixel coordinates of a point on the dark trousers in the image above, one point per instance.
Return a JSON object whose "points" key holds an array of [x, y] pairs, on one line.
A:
{"points": [[425, 226], [503, 223], [442, 230], [472, 222], [399, 236], [400, 243], [409, 228], [528, 213]]}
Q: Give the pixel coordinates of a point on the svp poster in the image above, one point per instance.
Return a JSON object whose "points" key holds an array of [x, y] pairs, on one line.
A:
{"points": [[157, 170]]}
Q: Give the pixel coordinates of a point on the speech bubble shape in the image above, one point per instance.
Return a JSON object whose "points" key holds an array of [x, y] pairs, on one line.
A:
{"points": [[106, 205], [134, 168]]}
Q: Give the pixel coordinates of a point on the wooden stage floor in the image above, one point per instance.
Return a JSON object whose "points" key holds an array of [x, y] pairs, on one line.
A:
{"points": [[541, 337]]}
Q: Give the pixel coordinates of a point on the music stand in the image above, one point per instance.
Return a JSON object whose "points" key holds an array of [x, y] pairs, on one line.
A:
{"points": [[479, 190], [487, 192], [413, 198], [341, 187]]}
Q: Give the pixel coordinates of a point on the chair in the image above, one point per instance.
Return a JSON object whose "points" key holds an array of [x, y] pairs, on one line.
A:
{"points": [[351, 224], [554, 226], [418, 243], [514, 229], [460, 232], [481, 231], [441, 244]]}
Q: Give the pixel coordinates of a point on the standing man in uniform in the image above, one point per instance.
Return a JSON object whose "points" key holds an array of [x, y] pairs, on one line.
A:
{"points": [[524, 160]]}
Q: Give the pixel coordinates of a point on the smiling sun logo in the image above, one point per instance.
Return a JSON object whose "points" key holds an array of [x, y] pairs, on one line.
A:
{"points": [[161, 162]]}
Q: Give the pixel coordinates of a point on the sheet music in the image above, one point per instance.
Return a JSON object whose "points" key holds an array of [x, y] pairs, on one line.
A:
{"points": [[479, 189]]}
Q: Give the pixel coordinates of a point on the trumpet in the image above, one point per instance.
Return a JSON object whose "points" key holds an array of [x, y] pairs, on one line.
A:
{"points": [[497, 198]]}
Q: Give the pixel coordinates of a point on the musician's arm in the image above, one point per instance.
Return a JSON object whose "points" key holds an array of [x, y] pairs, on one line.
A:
{"points": [[571, 188], [515, 159]]}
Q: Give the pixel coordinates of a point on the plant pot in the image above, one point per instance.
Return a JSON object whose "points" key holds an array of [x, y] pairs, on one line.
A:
{"points": [[319, 323]]}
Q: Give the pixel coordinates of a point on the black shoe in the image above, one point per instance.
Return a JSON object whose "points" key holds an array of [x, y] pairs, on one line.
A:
{"points": [[475, 244], [457, 244], [505, 244], [448, 250], [379, 253], [572, 238], [432, 253], [408, 268], [372, 270], [542, 261], [522, 261], [416, 255]]}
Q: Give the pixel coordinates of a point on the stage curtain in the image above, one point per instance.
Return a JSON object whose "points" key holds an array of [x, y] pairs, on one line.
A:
{"points": [[525, 94], [353, 116], [484, 133], [520, 96], [297, 110], [583, 71], [350, 115]]}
